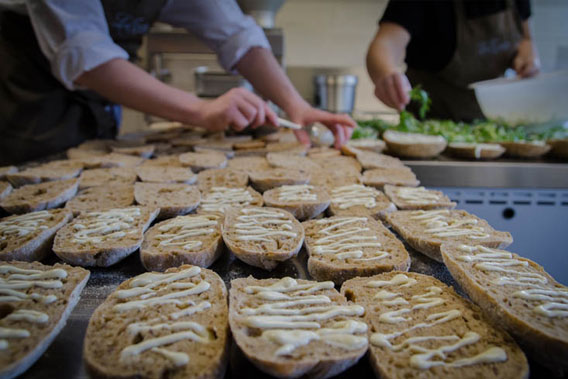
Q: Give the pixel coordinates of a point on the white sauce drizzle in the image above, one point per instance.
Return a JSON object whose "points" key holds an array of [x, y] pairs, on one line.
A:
{"points": [[181, 231], [95, 227], [263, 225], [23, 225], [28, 315], [440, 223], [417, 195], [354, 195], [222, 198], [300, 192], [344, 240], [282, 322]]}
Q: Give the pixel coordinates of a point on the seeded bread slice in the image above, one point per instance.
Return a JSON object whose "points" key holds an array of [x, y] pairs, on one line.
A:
{"points": [[256, 144], [203, 161], [56, 170], [420, 328], [166, 174], [262, 237], [525, 149], [344, 247], [101, 198], [192, 239], [339, 163], [5, 189], [370, 160], [220, 199], [414, 145], [145, 151], [476, 150], [171, 160], [248, 164], [81, 154], [303, 201], [37, 197], [519, 296], [398, 176], [29, 237], [161, 325], [357, 199], [103, 238], [276, 177], [112, 160], [34, 317], [221, 177], [106, 176], [426, 231], [327, 178], [173, 199], [7, 170], [285, 160], [413, 198], [296, 328]]}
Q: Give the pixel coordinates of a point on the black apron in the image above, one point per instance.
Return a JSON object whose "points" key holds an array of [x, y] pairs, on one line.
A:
{"points": [[485, 48], [38, 115]]}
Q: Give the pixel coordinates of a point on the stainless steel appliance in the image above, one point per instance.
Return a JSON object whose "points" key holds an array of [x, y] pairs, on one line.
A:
{"points": [[335, 93]]}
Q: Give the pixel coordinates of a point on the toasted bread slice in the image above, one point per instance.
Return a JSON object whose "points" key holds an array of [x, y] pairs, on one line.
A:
{"points": [[37, 197], [220, 199], [426, 231], [81, 154], [370, 160], [420, 328], [476, 150], [29, 237], [366, 144], [173, 199], [296, 328], [5, 170], [101, 198], [36, 302], [303, 201], [414, 145], [112, 160], [519, 296], [170, 160], [165, 174], [398, 176], [323, 152], [276, 177], [56, 170], [159, 325], [221, 177], [192, 239], [204, 160], [244, 145], [357, 199], [106, 176], [144, 151], [412, 198], [262, 237], [338, 163], [329, 179], [5, 189], [559, 147], [103, 238], [248, 164], [285, 160], [343, 247], [525, 149]]}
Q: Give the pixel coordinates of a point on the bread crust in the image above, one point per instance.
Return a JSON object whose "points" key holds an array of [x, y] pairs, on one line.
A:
{"points": [[300, 208], [37, 197], [423, 146], [525, 149], [276, 177], [476, 151], [414, 198], [173, 199]]}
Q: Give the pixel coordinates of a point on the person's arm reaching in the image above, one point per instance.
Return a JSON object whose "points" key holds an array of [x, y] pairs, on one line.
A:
{"points": [[384, 57], [526, 62]]}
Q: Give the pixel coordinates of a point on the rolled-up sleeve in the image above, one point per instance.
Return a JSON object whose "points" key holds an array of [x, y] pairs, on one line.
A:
{"points": [[73, 35], [220, 24]]}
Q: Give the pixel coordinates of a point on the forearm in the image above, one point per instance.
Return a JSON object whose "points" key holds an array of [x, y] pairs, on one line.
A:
{"points": [[526, 30], [124, 83], [260, 67], [387, 51]]}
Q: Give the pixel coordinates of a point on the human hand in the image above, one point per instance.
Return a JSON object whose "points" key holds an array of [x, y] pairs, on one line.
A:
{"points": [[237, 109], [392, 89], [526, 62], [341, 125]]}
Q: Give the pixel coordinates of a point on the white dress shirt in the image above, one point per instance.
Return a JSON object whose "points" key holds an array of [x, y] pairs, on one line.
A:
{"points": [[74, 35]]}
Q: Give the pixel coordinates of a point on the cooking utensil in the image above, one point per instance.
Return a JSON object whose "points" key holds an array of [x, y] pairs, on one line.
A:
{"points": [[335, 93], [288, 124], [319, 134], [542, 99]]}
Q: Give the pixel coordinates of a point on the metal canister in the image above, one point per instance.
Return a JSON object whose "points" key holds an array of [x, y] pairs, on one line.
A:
{"points": [[335, 93]]}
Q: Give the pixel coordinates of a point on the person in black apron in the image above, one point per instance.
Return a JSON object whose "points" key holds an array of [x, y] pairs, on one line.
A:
{"points": [[40, 115], [448, 45]]}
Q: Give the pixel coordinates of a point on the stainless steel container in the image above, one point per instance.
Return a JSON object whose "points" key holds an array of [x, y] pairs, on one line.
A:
{"points": [[263, 11], [335, 93], [210, 83]]}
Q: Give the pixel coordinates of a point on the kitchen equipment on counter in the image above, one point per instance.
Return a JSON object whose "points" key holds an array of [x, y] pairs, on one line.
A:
{"points": [[320, 135], [211, 83], [335, 93], [263, 11], [542, 99]]}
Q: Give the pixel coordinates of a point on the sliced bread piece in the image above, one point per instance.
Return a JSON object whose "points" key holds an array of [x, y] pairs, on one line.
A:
{"points": [[414, 145], [221, 177], [220, 199], [519, 296], [173, 199], [36, 302], [296, 328], [106, 176], [412, 198], [426, 231], [357, 199], [166, 174], [248, 164], [370, 160], [476, 150], [5, 189], [103, 238], [262, 237], [244, 145], [365, 144], [29, 237], [286, 160], [37, 197], [56, 170], [4, 170], [303, 201], [170, 160], [398, 176], [338, 163], [203, 161], [420, 328], [144, 151], [323, 152], [192, 239], [81, 154], [525, 149], [161, 325], [344, 247], [112, 160], [559, 147], [276, 177], [101, 198], [328, 178]]}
